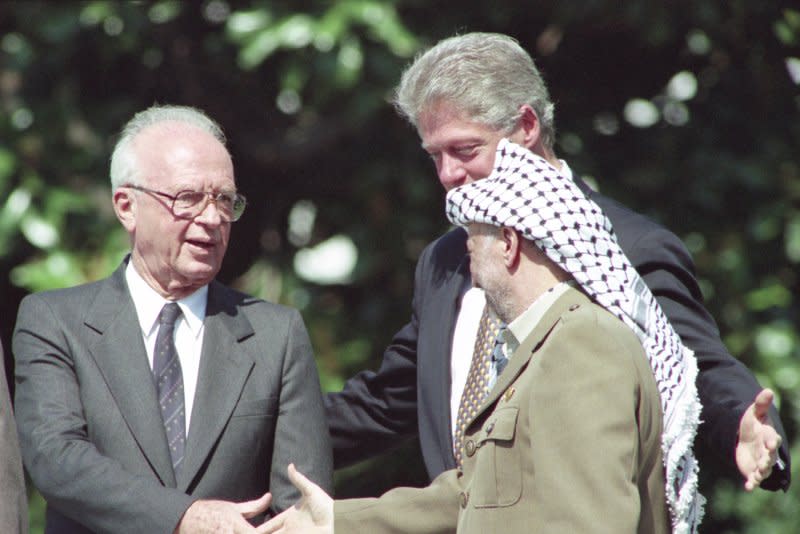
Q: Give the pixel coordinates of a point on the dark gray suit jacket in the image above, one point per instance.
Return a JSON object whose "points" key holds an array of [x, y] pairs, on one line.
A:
{"points": [[90, 426], [13, 498]]}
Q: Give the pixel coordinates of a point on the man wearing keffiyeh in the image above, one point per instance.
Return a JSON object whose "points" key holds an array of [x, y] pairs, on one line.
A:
{"points": [[596, 402]]}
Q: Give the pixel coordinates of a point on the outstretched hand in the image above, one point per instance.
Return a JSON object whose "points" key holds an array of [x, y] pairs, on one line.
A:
{"points": [[757, 449], [312, 514], [222, 516]]}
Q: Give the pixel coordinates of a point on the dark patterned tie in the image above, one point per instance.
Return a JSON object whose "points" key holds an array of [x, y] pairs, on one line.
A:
{"points": [[477, 386], [169, 383]]}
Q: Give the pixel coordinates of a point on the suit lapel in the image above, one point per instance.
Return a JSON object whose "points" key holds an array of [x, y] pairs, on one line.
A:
{"points": [[224, 368], [122, 359], [528, 347]]}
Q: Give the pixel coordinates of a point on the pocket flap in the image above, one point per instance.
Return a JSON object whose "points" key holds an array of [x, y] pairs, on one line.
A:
{"points": [[500, 426]]}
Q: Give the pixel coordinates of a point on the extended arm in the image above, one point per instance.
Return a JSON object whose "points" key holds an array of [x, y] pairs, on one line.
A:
{"points": [[725, 385]]}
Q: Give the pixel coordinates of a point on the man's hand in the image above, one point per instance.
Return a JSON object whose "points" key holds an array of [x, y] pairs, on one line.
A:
{"points": [[757, 449], [312, 514], [222, 516]]}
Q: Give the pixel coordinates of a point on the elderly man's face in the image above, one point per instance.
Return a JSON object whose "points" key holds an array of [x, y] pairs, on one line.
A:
{"points": [[486, 267], [463, 151], [176, 256]]}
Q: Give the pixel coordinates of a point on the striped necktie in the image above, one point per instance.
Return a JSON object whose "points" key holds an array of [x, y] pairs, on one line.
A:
{"points": [[169, 383]]}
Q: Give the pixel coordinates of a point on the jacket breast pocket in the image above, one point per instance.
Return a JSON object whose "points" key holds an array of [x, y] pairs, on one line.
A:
{"points": [[497, 480]]}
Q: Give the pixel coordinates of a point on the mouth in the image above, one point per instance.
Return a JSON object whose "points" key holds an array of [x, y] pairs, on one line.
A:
{"points": [[202, 244]]}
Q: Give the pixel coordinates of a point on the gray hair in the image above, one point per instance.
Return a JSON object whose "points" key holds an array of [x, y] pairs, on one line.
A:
{"points": [[487, 76], [124, 167]]}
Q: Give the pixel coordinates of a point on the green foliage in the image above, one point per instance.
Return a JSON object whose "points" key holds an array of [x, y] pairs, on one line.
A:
{"points": [[687, 112]]}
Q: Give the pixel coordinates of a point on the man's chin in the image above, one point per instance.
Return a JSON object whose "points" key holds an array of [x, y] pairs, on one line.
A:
{"points": [[201, 273]]}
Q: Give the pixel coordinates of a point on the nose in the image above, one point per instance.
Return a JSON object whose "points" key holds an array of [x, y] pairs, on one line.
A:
{"points": [[451, 172], [210, 215]]}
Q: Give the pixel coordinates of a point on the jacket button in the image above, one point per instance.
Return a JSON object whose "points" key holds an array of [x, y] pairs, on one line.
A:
{"points": [[490, 428], [574, 307], [469, 447], [463, 498]]}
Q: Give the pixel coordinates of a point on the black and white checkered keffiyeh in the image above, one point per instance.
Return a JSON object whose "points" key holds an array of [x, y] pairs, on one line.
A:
{"points": [[528, 194]]}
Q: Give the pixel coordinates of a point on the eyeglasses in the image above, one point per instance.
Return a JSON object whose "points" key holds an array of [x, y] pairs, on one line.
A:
{"points": [[190, 204]]}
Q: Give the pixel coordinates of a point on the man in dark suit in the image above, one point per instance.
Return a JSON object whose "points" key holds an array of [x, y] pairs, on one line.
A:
{"points": [[13, 498], [463, 96], [158, 400]]}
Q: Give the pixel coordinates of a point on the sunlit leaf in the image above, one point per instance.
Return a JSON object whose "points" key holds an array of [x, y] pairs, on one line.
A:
{"points": [[59, 269], [39, 232], [164, 11], [241, 24], [792, 238], [774, 295], [776, 340], [8, 162]]}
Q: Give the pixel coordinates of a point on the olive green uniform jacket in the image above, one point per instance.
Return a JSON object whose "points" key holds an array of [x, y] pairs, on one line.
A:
{"points": [[568, 440]]}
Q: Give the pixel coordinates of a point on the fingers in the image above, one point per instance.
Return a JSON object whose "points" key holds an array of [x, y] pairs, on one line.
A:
{"points": [[252, 508], [305, 486], [272, 526]]}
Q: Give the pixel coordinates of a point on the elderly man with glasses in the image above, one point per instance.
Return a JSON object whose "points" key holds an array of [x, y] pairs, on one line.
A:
{"points": [[159, 400]]}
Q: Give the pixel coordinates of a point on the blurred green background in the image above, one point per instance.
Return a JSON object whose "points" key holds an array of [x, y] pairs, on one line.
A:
{"points": [[685, 111]]}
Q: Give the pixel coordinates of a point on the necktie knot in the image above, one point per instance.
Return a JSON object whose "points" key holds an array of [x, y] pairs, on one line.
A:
{"points": [[169, 314]]}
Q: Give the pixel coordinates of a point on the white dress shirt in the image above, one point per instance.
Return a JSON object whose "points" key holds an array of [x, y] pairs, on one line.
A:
{"points": [[467, 323], [188, 329]]}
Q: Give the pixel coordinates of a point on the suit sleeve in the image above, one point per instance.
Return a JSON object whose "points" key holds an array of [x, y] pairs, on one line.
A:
{"points": [[429, 510], [725, 386], [584, 431], [13, 499], [375, 411], [65, 466], [300, 431]]}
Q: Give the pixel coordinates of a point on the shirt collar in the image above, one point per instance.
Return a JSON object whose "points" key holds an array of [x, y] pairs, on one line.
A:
{"points": [[565, 171], [148, 303], [524, 324]]}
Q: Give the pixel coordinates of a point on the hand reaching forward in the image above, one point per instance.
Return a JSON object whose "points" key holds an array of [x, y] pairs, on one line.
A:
{"points": [[206, 516], [757, 449], [312, 514]]}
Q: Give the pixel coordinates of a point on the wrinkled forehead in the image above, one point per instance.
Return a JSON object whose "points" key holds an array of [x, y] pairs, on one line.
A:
{"points": [[183, 155]]}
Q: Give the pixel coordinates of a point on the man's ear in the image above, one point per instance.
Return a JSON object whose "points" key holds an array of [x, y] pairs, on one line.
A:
{"points": [[125, 208], [511, 246], [530, 130]]}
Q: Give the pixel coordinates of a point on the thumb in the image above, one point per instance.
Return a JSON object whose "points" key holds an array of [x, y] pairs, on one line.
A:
{"points": [[763, 402], [305, 486], [252, 508]]}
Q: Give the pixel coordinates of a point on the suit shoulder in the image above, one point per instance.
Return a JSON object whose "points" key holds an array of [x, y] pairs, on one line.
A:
{"points": [[448, 247], [443, 257], [251, 305], [631, 227], [72, 299], [601, 329]]}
